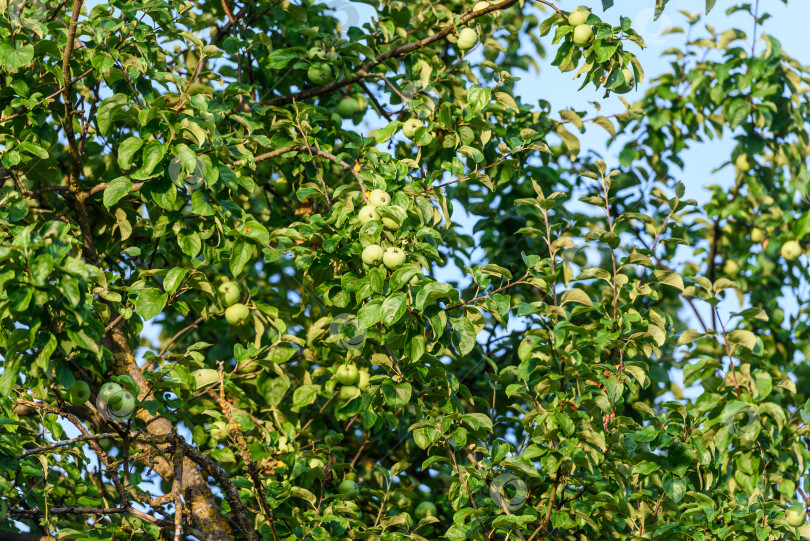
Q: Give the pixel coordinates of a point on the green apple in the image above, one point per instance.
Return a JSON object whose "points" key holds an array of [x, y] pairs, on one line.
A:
{"points": [[757, 235], [319, 73], [108, 390], [392, 223], [121, 405], [790, 250], [204, 377], [778, 316], [363, 378], [347, 392], [372, 254], [393, 257], [742, 164], [731, 267], [410, 127], [467, 39], [346, 374], [629, 80], [348, 488], [237, 314], [425, 509], [228, 293], [282, 186], [796, 515], [79, 393], [367, 214], [347, 107], [379, 198], [579, 16], [583, 35], [247, 366]]}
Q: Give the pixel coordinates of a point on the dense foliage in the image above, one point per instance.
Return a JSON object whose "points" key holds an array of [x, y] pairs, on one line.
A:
{"points": [[207, 171]]}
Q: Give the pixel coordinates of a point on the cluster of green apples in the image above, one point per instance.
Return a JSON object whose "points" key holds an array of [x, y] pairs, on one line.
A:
{"points": [[583, 32], [236, 313], [117, 402], [352, 380], [373, 254]]}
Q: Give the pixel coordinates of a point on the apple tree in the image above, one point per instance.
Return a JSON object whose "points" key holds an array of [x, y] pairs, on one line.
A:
{"points": [[270, 271]]}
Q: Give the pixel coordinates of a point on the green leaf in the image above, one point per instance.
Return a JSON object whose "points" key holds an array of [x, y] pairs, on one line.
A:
{"points": [[189, 242], [396, 394], [150, 302], [241, 253], [463, 334], [393, 308], [127, 150], [115, 190], [12, 57]]}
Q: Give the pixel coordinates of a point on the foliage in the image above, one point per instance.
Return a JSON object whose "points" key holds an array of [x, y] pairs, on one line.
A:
{"points": [[156, 150]]}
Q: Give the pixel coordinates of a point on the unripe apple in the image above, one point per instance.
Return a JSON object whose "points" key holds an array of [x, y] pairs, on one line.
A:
{"points": [[372, 254], [237, 314], [379, 198], [795, 515], [410, 127], [425, 509], [742, 164], [282, 186], [579, 16], [757, 235], [367, 214], [790, 250], [228, 293], [121, 405], [247, 366], [583, 35], [391, 223], [348, 488], [778, 316], [346, 374], [79, 393], [347, 107], [108, 390], [363, 378], [347, 392], [629, 76], [731, 267], [467, 39], [319, 73], [393, 257], [204, 377]]}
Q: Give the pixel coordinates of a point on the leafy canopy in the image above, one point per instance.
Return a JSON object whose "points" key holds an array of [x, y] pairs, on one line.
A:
{"points": [[230, 309]]}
